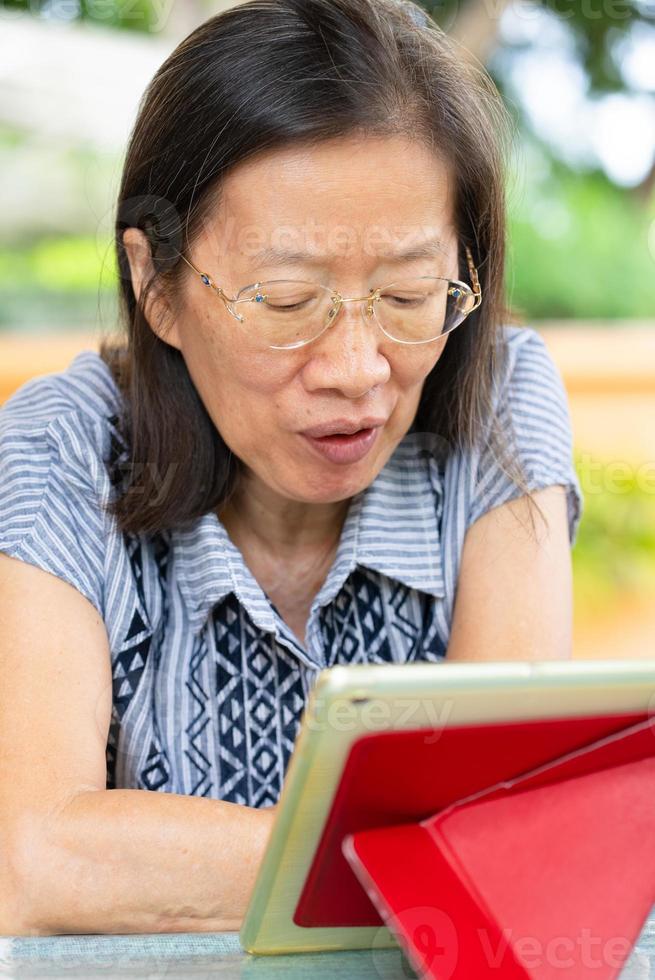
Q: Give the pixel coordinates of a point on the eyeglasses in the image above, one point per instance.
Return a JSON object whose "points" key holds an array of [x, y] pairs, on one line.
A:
{"points": [[289, 313]]}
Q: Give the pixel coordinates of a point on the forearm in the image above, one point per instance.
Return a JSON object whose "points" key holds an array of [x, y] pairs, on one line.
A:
{"points": [[134, 861]]}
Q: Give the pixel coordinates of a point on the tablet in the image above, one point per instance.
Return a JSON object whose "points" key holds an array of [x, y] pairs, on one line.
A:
{"points": [[382, 745]]}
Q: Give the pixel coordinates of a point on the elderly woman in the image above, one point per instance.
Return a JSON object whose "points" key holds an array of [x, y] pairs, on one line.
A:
{"points": [[320, 442]]}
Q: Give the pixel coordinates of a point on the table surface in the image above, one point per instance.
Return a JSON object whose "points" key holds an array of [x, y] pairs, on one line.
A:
{"points": [[179, 955]]}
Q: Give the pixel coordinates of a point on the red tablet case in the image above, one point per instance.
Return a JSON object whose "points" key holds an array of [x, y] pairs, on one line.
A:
{"points": [[522, 849]]}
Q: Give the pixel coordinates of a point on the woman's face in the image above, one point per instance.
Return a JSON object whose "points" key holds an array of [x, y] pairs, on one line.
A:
{"points": [[348, 203]]}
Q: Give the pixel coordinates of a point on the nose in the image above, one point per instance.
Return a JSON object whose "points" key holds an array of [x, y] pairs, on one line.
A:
{"points": [[347, 357]]}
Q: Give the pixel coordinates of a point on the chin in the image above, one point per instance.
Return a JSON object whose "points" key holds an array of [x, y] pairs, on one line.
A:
{"points": [[330, 483]]}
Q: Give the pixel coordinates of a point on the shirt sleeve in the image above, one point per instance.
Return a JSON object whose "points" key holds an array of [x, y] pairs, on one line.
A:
{"points": [[533, 413], [49, 510]]}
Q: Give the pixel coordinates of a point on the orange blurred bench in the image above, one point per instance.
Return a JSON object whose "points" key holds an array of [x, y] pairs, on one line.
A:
{"points": [[23, 356]]}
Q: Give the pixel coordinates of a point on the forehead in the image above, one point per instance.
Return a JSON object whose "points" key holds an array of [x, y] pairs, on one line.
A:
{"points": [[364, 196]]}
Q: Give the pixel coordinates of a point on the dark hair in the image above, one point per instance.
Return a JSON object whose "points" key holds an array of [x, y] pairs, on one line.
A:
{"points": [[266, 74]]}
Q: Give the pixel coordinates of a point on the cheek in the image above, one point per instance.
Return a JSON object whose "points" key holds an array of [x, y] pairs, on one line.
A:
{"points": [[412, 365], [228, 364], [240, 388]]}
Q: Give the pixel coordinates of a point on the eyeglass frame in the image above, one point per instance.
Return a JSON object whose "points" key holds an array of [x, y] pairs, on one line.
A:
{"points": [[338, 300]]}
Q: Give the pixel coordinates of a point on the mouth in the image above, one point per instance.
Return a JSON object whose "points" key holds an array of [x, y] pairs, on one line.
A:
{"points": [[344, 427], [343, 437], [342, 448]]}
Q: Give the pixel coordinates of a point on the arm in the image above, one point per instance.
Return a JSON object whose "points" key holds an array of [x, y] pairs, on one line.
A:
{"points": [[75, 857], [514, 593]]}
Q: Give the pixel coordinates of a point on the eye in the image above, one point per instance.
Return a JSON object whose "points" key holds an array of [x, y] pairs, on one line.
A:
{"points": [[404, 300], [404, 297], [288, 306]]}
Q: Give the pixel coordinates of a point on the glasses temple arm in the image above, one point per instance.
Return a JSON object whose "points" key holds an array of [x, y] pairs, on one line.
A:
{"points": [[474, 277], [208, 281]]}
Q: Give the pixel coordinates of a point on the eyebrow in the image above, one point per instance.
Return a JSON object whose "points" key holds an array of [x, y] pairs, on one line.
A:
{"points": [[280, 256]]}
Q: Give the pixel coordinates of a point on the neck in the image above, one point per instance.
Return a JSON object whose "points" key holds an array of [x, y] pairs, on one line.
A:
{"points": [[283, 527]]}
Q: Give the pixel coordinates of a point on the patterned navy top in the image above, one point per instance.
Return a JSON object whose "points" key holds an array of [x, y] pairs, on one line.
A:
{"points": [[208, 680]]}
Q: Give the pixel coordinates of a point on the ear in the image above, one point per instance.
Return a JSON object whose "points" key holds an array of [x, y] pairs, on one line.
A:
{"points": [[157, 310]]}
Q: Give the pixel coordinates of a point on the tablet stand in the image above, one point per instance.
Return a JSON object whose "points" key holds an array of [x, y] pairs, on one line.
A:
{"points": [[547, 875]]}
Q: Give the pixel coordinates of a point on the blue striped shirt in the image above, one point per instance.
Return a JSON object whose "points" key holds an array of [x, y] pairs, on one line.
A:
{"points": [[209, 682]]}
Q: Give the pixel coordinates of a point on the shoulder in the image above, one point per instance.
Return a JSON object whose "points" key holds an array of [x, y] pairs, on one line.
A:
{"points": [[55, 435], [70, 413], [531, 418], [85, 389], [532, 406], [527, 363]]}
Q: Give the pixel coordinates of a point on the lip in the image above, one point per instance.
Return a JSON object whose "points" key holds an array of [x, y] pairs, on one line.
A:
{"points": [[343, 449], [343, 426]]}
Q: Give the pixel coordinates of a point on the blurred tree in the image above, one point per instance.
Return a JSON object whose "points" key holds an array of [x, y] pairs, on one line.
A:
{"points": [[605, 38], [596, 27]]}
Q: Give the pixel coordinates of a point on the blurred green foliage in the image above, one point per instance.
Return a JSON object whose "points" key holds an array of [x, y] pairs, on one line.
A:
{"points": [[55, 283], [595, 27], [579, 247], [60, 264], [614, 554], [130, 15]]}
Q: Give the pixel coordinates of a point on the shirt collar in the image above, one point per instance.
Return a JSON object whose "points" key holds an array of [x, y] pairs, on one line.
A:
{"points": [[392, 527], [209, 566], [401, 511]]}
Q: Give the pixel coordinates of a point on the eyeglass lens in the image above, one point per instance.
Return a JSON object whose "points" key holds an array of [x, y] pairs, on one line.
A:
{"points": [[290, 312]]}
